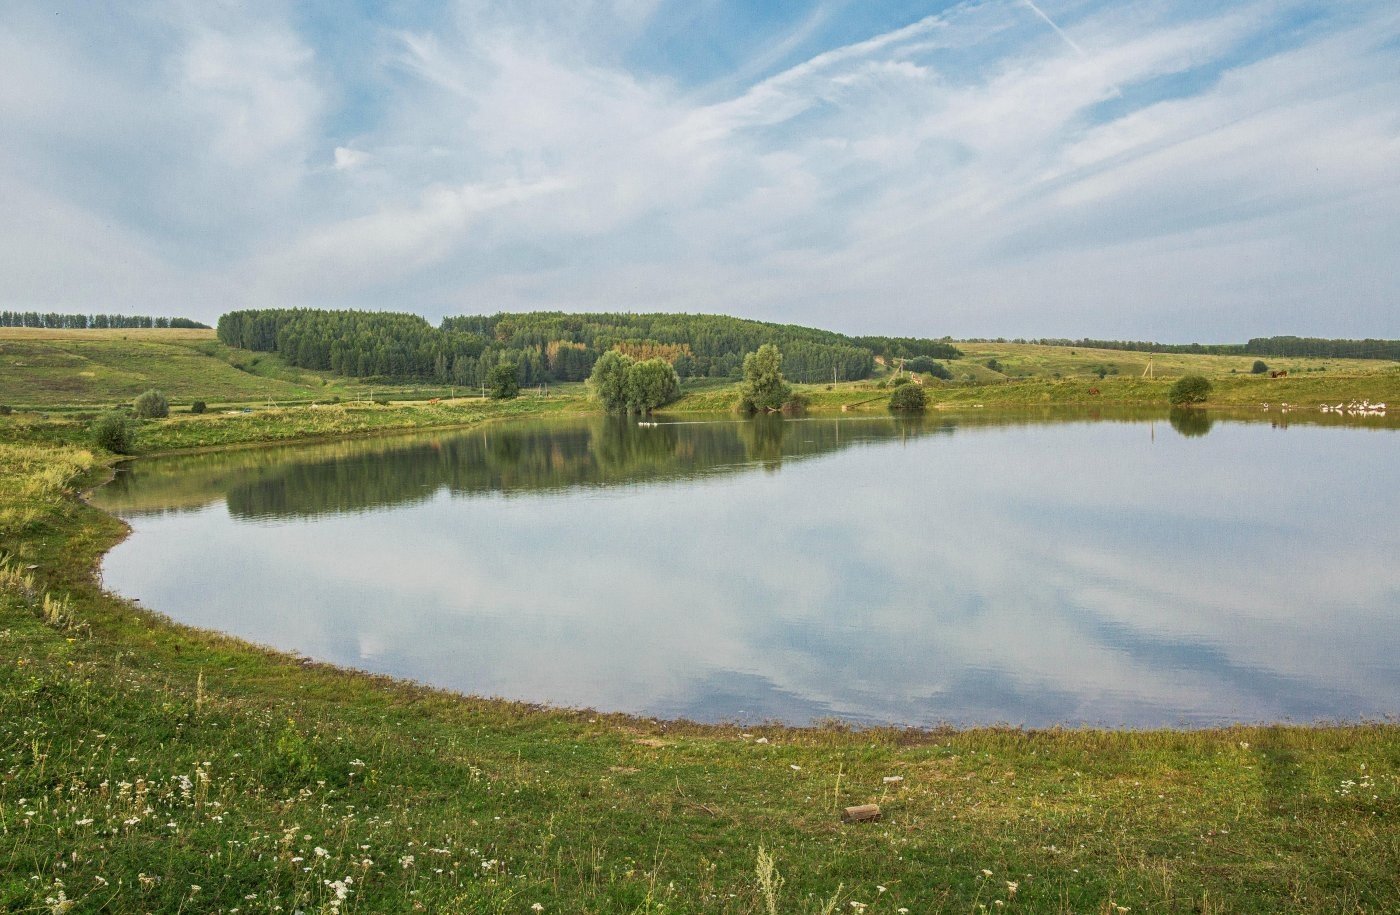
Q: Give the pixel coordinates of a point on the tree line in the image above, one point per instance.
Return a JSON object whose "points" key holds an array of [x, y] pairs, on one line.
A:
{"points": [[1317, 347], [55, 321], [552, 346]]}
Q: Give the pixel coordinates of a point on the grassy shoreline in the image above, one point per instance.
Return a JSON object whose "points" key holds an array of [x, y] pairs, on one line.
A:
{"points": [[140, 759]]}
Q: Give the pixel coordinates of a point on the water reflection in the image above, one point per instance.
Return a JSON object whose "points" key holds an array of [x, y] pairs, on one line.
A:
{"points": [[1191, 423], [963, 569]]}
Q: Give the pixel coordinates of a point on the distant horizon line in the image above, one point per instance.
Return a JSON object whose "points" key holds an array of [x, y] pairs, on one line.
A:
{"points": [[1042, 340]]}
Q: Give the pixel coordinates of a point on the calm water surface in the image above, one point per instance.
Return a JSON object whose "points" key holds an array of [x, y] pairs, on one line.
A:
{"points": [[1136, 572]]}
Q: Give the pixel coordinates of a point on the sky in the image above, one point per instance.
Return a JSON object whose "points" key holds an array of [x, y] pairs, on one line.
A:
{"points": [[1156, 169]]}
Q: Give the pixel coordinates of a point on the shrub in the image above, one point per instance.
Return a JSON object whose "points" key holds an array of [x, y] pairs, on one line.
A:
{"points": [[151, 405], [5, 410], [908, 398], [763, 387], [1189, 389], [994, 365], [651, 383], [900, 381], [1260, 367], [501, 383], [198, 406], [113, 432], [608, 382]]}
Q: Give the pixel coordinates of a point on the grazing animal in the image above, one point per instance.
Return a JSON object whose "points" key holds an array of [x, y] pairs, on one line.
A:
{"points": [[1281, 373], [1094, 391]]}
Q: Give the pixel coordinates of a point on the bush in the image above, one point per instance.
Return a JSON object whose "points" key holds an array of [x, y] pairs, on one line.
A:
{"points": [[113, 432], [1189, 389], [900, 381], [1260, 367], [151, 405], [908, 398], [198, 407], [651, 383], [501, 383], [764, 388], [608, 382], [5, 409]]}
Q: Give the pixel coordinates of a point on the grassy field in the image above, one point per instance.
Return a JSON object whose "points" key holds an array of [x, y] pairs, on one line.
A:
{"points": [[147, 767], [1028, 360], [1036, 376], [55, 369], [48, 369]]}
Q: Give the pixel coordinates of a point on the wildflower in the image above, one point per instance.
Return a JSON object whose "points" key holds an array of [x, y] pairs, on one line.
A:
{"points": [[986, 873], [537, 908], [195, 887], [86, 821], [794, 767], [859, 906], [406, 862], [1012, 886], [321, 852], [879, 889]]}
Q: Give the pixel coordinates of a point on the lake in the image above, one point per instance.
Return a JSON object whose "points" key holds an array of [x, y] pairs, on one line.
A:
{"points": [[1125, 570]]}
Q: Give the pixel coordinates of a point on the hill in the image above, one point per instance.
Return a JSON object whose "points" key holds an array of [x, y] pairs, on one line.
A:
{"points": [[552, 346]]}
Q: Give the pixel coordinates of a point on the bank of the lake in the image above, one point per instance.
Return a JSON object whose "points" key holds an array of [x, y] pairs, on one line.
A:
{"points": [[151, 767], [1229, 392]]}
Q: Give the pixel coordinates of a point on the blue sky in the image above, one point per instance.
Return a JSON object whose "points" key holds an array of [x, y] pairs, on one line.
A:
{"points": [[1167, 170]]}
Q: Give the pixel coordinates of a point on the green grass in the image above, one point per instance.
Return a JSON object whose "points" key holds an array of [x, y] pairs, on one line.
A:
{"points": [[48, 369], [140, 760], [1033, 382], [1031, 360], [283, 424]]}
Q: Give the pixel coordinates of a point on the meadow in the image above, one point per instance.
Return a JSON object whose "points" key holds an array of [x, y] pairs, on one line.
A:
{"points": [[149, 767]]}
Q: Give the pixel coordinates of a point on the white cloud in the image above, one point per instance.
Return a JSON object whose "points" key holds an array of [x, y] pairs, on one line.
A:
{"points": [[966, 173], [347, 158]]}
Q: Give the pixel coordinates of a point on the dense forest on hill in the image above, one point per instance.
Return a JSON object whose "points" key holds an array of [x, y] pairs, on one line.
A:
{"points": [[552, 346], [55, 321]]}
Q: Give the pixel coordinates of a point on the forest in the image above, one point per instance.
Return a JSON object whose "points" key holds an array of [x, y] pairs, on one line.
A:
{"points": [[55, 321], [552, 346]]}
